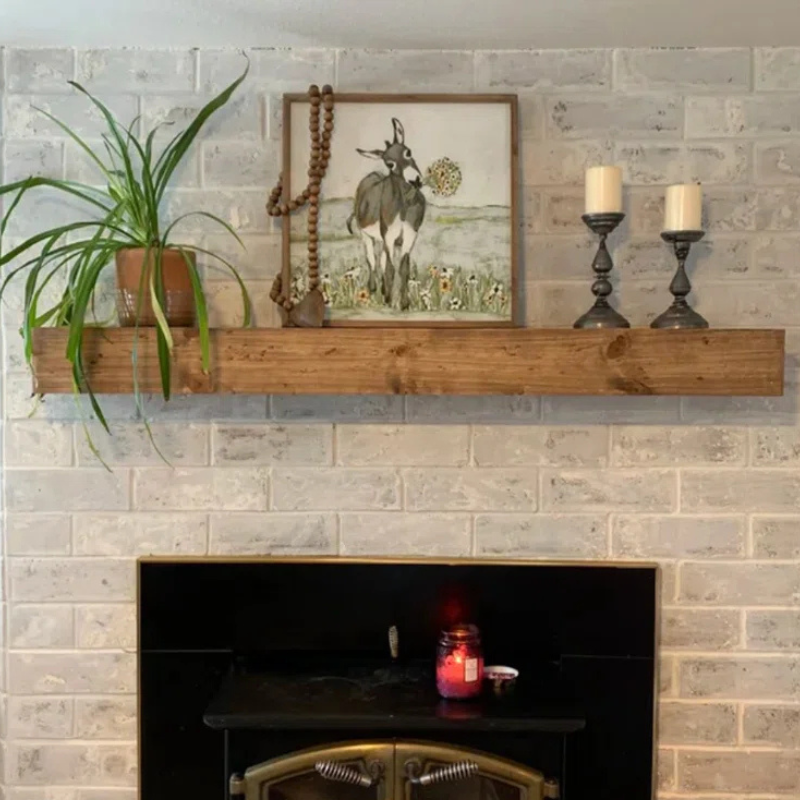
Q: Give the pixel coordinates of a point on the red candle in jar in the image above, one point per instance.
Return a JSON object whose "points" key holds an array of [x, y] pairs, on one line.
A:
{"points": [[459, 663]]}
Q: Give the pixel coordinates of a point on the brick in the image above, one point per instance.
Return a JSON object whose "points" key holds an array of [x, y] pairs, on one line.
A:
{"points": [[74, 110], [645, 209], [337, 408], [425, 70], [71, 579], [665, 675], [560, 258], [304, 445], [450, 409], [531, 210], [776, 446], [665, 766], [241, 118], [707, 163], [33, 626], [105, 627], [39, 718], [38, 534], [41, 159], [775, 257], [746, 115], [239, 163], [778, 162], [194, 489], [579, 70], [136, 70], [401, 534], [657, 447], [753, 678], [773, 630], [531, 116], [590, 490], [777, 68], [740, 584], [340, 489], [603, 410], [275, 69], [772, 725], [739, 771], [747, 304], [778, 209], [72, 764], [471, 489], [72, 673], [66, 490], [696, 723], [615, 117], [561, 211], [678, 537], [402, 445], [264, 534], [561, 163], [499, 445], [260, 257], [40, 70], [131, 445], [763, 490], [699, 629], [541, 535], [776, 537], [137, 534], [242, 209], [679, 69], [226, 307], [667, 572], [105, 718], [32, 442], [730, 209]]}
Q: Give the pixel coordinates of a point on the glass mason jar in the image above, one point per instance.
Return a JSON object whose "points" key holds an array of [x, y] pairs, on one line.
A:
{"points": [[459, 663]]}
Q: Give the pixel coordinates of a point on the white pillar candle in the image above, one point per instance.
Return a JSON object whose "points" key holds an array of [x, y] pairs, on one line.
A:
{"points": [[683, 210], [603, 190]]}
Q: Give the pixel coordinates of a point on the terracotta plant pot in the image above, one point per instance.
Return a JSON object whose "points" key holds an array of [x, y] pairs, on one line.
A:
{"points": [[179, 300]]}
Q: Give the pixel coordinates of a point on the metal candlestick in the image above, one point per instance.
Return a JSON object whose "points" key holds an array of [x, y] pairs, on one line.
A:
{"points": [[680, 314], [601, 314]]}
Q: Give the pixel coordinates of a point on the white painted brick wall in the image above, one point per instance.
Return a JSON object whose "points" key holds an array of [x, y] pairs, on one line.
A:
{"points": [[708, 487]]}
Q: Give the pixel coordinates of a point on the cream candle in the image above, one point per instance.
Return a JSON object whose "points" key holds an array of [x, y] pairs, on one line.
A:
{"points": [[603, 190], [683, 210]]}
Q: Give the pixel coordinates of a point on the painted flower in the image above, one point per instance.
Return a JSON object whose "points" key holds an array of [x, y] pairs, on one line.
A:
{"points": [[425, 296], [351, 274], [472, 280], [496, 292], [433, 270], [447, 272], [362, 296], [445, 285], [455, 304]]}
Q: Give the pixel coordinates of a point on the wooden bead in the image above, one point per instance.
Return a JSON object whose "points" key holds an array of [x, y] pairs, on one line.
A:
{"points": [[313, 90], [328, 116], [306, 193], [328, 126], [312, 247], [300, 200], [327, 89], [284, 208], [316, 100], [327, 102], [315, 181], [314, 190], [313, 172], [315, 137], [292, 205], [313, 238]]}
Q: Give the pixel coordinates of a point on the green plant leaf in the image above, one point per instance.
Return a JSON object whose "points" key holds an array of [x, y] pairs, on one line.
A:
{"points": [[202, 310], [207, 215]]}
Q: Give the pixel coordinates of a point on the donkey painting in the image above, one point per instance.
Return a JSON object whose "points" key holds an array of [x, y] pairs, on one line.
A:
{"points": [[388, 211]]}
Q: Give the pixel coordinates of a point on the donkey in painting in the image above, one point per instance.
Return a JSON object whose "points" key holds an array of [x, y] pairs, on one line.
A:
{"points": [[388, 212]]}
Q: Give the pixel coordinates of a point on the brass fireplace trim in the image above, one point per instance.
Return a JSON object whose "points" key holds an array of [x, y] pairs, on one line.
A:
{"points": [[394, 756]]}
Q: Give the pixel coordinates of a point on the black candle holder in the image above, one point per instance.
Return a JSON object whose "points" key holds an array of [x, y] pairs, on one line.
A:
{"points": [[601, 314], [680, 314]]}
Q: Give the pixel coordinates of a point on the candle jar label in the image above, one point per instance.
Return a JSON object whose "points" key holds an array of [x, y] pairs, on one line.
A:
{"points": [[471, 670]]}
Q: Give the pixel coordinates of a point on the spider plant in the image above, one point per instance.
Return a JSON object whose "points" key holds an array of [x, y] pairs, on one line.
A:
{"points": [[124, 214]]}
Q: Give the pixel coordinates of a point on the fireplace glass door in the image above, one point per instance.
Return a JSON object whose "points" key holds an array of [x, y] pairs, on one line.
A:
{"points": [[393, 770]]}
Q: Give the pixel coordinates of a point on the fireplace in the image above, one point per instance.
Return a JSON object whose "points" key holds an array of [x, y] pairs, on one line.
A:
{"points": [[282, 679]]}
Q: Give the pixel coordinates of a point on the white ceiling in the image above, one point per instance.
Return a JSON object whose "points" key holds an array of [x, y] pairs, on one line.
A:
{"points": [[485, 24]]}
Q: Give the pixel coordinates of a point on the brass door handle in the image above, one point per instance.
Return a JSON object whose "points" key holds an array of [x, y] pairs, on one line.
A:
{"points": [[459, 771], [336, 771]]}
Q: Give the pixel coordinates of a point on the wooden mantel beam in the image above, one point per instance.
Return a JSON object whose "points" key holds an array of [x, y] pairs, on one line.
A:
{"points": [[429, 361]]}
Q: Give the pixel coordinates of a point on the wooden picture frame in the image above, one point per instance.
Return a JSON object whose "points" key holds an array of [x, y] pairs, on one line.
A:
{"points": [[427, 289]]}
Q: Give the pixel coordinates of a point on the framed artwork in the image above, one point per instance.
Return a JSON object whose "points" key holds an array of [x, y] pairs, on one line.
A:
{"points": [[417, 218]]}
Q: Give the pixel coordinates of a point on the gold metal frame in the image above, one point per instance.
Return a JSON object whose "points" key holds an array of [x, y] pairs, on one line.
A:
{"points": [[393, 755]]}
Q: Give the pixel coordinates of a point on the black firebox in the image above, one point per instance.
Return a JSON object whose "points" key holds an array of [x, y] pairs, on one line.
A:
{"points": [[248, 661]]}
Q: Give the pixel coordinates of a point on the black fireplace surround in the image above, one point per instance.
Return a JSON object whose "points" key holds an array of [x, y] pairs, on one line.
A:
{"points": [[236, 658]]}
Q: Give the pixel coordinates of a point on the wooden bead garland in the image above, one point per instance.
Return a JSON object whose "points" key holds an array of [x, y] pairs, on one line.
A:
{"points": [[320, 133]]}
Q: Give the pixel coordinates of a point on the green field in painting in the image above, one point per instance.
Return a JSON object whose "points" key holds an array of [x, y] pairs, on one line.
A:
{"points": [[461, 266]]}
